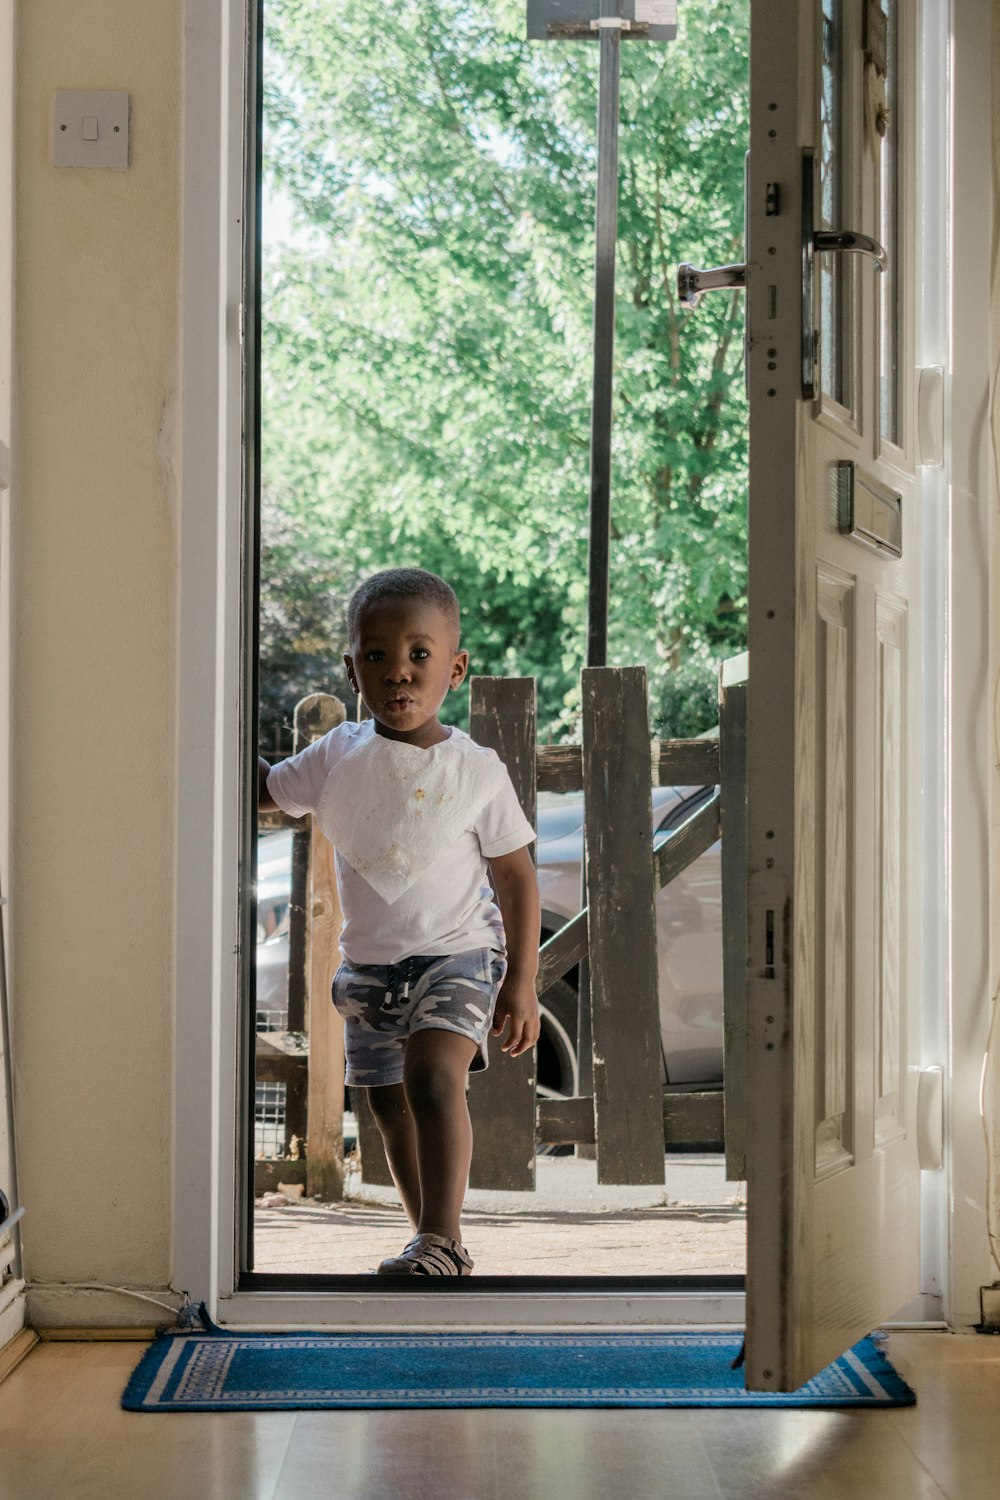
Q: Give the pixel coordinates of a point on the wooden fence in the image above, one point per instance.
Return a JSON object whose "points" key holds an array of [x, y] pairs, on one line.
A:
{"points": [[628, 1117]]}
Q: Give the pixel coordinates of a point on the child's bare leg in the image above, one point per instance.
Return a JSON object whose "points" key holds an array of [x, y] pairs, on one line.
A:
{"points": [[435, 1074], [395, 1125]]}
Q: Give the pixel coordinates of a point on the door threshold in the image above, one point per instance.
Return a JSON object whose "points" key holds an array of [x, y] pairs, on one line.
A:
{"points": [[517, 1306]]}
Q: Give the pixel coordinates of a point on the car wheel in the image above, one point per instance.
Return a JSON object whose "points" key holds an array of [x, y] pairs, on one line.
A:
{"points": [[556, 1065]]}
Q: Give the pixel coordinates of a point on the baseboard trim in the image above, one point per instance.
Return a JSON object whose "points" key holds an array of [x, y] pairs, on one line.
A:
{"points": [[61, 1305], [15, 1350], [135, 1335]]}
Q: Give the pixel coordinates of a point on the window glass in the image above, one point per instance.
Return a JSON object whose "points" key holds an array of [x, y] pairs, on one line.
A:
{"points": [[889, 287], [834, 342]]}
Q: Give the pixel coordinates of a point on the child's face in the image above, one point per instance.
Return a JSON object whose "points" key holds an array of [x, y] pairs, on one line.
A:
{"points": [[404, 662]]}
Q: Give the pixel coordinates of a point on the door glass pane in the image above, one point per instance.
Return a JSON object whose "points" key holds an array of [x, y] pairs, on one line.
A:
{"points": [[834, 341], [889, 287]]}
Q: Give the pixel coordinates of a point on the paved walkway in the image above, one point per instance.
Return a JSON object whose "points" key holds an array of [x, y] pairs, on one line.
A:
{"points": [[571, 1226]]}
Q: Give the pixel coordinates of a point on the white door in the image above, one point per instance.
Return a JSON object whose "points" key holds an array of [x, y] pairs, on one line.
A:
{"points": [[833, 705]]}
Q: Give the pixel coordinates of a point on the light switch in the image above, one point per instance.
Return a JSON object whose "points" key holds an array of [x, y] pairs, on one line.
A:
{"points": [[90, 129]]}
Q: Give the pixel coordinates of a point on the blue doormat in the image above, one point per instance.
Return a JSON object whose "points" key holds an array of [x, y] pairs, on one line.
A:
{"points": [[219, 1371]]}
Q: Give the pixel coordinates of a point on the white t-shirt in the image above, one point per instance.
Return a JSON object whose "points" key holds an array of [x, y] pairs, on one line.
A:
{"points": [[422, 823]]}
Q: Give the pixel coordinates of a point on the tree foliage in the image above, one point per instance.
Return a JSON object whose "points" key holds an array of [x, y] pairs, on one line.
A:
{"points": [[426, 360]]}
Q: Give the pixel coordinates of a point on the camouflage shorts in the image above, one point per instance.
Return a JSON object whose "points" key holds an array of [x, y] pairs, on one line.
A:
{"points": [[383, 1004]]}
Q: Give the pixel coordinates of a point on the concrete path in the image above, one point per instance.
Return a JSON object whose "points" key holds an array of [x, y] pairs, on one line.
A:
{"points": [[695, 1224]]}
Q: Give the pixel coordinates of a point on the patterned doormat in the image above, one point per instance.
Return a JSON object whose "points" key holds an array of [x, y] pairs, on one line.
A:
{"points": [[220, 1371]]}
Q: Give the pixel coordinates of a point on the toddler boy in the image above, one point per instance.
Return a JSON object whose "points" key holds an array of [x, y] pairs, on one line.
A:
{"points": [[423, 821]]}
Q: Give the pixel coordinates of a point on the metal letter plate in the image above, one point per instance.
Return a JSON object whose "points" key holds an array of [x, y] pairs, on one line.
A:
{"points": [[869, 511]]}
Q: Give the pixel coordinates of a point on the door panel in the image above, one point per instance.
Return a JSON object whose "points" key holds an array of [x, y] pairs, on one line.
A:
{"points": [[833, 710], [835, 704]]}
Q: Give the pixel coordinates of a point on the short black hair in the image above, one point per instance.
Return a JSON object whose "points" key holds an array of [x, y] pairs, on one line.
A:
{"points": [[403, 583]]}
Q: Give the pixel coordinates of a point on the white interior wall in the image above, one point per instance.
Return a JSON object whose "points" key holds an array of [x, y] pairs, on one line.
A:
{"points": [[93, 746]]}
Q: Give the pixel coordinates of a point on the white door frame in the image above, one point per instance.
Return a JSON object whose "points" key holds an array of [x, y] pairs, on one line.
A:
{"points": [[12, 1299], [208, 712], [209, 708], [970, 499]]}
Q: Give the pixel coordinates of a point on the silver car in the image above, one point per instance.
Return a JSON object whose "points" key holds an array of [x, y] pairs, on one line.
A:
{"points": [[689, 942]]}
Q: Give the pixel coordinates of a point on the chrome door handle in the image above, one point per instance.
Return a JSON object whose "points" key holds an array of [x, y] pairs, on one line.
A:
{"points": [[817, 242], [692, 284], [850, 239]]}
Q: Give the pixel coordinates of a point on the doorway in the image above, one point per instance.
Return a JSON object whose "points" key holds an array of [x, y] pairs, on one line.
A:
{"points": [[206, 1226], [424, 332]]}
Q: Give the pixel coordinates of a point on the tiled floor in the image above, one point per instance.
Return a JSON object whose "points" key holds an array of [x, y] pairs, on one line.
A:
{"points": [[63, 1436]]}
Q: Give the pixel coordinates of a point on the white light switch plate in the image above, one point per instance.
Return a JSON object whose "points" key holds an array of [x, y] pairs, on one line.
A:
{"points": [[77, 141]]}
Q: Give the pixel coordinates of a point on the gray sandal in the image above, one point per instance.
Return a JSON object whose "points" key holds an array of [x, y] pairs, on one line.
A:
{"points": [[428, 1255]]}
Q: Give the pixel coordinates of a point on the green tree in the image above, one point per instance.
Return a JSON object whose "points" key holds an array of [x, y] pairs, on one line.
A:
{"points": [[302, 606], [427, 340]]}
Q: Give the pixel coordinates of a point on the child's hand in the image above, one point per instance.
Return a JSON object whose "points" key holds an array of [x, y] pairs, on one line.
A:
{"points": [[517, 1004]]}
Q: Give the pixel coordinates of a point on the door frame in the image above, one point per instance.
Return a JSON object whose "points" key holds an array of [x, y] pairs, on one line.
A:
{"points": [[970, 533], [12, 1296], [210, 687], [210, 693]]}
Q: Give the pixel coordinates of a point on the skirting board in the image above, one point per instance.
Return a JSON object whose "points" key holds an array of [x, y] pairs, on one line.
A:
{"points": [[135, 1335], [51, 1307], [15, 1350], [13, 1311]]}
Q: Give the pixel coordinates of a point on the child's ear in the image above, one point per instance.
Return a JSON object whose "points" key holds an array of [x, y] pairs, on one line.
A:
{"points": [[349, 668], [459, 668]]}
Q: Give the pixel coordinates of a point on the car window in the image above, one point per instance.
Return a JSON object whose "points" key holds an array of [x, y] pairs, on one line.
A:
{"points": [[689, 799]]}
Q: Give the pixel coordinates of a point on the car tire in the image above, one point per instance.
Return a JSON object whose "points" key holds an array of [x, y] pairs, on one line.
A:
{"points": [[556, 1064]]}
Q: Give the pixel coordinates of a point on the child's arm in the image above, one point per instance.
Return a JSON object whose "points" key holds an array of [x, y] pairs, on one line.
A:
{"points": [[516, 888], [264, 799]]}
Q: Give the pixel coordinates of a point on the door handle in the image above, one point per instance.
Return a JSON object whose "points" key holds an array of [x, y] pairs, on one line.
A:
{"points": [[818, 242], [692, 283], [851, 240]]}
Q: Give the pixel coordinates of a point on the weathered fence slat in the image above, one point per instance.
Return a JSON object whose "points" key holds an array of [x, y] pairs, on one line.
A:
{"points": [[689, 1119], [272, 818], [325, 1133], [560, 768], [696, 834], [315, 716], [694, 1119], [733, 760], [671, 763], [502, 1100], [685, 762], [623, 968], [298, 927], [374, 1167], [564, 949], [566, 1122]]}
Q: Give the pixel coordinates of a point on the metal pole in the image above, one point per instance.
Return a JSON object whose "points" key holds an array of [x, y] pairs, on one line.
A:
{"points": [[606, 239], [605, 247]]}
